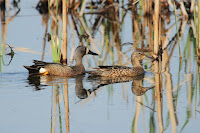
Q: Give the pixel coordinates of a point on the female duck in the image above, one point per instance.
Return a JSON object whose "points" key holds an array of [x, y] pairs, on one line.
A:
{"points": [[58, 69], [117, 71]]}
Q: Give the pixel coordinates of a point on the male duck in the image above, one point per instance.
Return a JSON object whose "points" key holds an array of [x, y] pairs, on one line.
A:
{"points": [[58, 69], [117, 71]]}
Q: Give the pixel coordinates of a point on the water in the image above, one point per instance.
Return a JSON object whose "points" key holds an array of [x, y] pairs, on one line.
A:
{"points": [[81, 104]]}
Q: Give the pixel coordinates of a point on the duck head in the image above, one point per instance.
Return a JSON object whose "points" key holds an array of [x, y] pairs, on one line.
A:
{"points": [[137, 57], [82, 50]]}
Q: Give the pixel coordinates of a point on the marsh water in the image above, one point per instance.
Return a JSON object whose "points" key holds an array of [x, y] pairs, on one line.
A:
{"points": [[83, 104]]}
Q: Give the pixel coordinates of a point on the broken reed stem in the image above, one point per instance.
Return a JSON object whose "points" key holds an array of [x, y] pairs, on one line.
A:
{"points": [[64, 45]]}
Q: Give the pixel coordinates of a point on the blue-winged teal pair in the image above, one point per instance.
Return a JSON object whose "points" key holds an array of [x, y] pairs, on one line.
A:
{"points": [[45, 68]]}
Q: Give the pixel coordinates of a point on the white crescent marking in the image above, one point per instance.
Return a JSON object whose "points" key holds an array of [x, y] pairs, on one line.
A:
{"points": [[42, 70]]}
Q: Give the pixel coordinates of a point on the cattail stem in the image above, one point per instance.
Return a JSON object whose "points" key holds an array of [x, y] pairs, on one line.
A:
{"points": [[64, 45]]}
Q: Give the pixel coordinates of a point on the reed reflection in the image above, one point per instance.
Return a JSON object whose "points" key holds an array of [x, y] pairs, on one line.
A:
{"points": [[60, 89], [106, 19], [6, 51], [59, 97]]}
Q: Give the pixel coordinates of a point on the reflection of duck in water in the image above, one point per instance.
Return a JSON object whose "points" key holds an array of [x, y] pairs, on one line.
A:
{"points": [[117, 71], [136, 88], [40, 81], [34, 80], [45, 68], [80, 91]]}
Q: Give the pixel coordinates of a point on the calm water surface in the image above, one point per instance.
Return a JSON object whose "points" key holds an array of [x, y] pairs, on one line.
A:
{"points": [[84, 105]]}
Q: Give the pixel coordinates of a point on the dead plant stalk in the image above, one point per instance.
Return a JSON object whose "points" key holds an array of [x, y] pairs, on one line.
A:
{"points": [[64, 45], [156, 27]]}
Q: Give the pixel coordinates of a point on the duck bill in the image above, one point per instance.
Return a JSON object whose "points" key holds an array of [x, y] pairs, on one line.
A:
{"points": [[92, 53], [151, 58]]}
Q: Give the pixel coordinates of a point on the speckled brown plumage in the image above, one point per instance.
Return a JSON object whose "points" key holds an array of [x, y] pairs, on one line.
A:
{"points": [[116, 71]]}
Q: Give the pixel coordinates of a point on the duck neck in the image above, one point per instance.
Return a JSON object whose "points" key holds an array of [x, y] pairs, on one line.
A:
{"points": [[136, 63], [78, 61]]}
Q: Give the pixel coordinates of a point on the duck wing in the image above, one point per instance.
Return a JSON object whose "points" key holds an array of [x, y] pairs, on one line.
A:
{"points": [[42, 63], [107, 68], [110, 71], [117, 71]]}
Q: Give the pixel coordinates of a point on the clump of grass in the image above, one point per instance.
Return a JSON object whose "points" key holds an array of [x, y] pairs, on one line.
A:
{"points": [[56, 47], [55, 39]]}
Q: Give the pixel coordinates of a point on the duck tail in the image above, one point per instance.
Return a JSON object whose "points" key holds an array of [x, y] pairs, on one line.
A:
{"points": [[37, 67], [32, 69]]}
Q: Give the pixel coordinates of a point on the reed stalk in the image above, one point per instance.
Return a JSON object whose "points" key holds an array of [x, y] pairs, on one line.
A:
{"points": [[64, 43], [137, 112], [55, 93], [156, 64], [159, 100], [169, 96], [66, 102], [158, 92], [156, 26]]}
